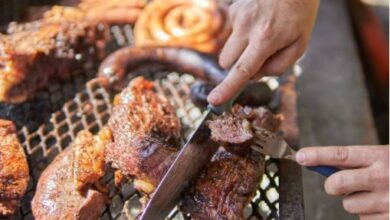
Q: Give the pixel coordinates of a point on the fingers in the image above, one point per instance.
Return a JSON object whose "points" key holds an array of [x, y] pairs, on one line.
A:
{"points": [[340, 156], [232, 50], [247, 65], [348, 181], [280, 61], [376, 216], [365, 203]]}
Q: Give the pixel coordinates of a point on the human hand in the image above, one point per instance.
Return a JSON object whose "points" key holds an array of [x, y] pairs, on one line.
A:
{"points": [[363, 180], [268, 36]]}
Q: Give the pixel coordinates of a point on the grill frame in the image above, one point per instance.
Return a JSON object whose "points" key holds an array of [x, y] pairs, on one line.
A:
{"points": [[57, 103]]}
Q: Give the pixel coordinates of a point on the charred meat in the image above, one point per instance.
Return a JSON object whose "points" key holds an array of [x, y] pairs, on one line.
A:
{"points": [[14, 172], [230, 180], [69, 188], [51, 48], [146, 132], [58, 44], [225, 187]]}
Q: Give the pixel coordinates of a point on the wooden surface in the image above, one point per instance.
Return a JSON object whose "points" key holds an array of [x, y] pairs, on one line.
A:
{"points": [[333, 103]]}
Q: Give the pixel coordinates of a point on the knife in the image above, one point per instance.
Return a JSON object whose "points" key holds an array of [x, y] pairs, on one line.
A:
{"points": [[186, 167], [189, 162]]}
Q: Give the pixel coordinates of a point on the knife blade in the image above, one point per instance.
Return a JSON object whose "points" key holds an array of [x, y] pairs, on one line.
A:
{"points": [[186, 167]]}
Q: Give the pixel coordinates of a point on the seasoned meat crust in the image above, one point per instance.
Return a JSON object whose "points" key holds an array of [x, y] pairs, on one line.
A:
{"points": [[225, 187], [50, 48], [145, 129], [14, 172], [145, 132], [89, 163], [69, 188], [230, 180]]}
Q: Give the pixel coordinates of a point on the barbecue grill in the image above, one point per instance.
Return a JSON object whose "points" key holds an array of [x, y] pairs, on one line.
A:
{"points": [[49, 123]]}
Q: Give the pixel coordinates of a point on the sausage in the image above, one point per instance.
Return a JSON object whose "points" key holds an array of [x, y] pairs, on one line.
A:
{"points": [[197, 24], [114, 68], [125, 60], [113, 11]]}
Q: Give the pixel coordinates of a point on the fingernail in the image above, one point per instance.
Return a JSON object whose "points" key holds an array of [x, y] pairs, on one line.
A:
{"points": [[300, 157], [213, 98]]}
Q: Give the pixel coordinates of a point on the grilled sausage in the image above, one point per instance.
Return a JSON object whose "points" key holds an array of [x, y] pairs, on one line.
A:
{"points": [[128, 59], [197, 24]]}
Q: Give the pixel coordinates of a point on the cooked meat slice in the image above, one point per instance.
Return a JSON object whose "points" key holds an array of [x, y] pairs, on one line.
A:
{"points": [[225, 187], [69, 188], [231, 129], [235, 130], [145, 132], [230, 180], [14, 172]]}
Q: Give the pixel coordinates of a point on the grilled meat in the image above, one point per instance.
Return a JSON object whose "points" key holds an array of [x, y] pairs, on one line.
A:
{"points": [[145, 132], [230, 180], [89, 160], [14, 172], [145, 128], [58, 44], [236, 131], [231, 130], [225, 187], [69, 188], [54, 47]]}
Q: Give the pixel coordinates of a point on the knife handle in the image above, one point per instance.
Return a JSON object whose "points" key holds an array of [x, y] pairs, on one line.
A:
{"points": [[324, 170], [227, 106]]}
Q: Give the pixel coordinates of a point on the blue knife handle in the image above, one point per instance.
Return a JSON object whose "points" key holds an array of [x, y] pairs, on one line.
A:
{"points": [[324, 170]]}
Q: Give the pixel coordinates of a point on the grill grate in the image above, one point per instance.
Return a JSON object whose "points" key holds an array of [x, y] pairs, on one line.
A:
{"points": [[90, 109]]}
